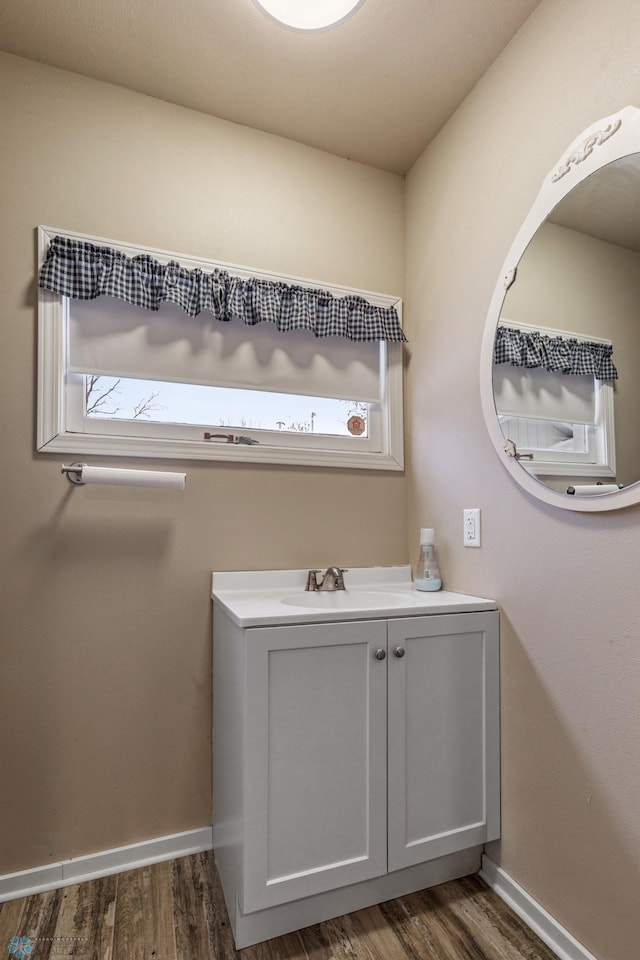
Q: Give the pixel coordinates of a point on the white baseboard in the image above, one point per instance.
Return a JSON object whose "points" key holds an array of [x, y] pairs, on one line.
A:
{"points": [[79, 869], [536, 917]]}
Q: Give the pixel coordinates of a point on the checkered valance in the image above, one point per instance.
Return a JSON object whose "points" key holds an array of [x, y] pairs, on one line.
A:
{"points": [[84, 271], [556, 354]]}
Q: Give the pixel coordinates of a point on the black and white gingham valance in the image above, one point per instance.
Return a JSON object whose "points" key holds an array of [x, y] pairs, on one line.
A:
{"points": [[556, 354], [74, 268]]}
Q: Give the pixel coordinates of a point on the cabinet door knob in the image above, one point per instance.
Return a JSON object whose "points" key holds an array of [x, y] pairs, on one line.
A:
{"points": [[380, 654], [399, 652]]}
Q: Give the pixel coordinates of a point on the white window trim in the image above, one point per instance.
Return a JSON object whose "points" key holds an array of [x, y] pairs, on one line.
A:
{"points": [[56, 394], [575, 465]]}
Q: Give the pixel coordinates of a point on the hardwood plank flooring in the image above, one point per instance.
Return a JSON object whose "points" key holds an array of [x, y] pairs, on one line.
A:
{"points": [[175, 911]]}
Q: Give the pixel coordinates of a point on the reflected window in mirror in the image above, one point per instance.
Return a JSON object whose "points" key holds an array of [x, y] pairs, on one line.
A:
{"points": [[561, 420]]}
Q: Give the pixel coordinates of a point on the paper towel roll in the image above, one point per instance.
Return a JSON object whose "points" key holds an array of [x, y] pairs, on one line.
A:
{"points": [[593, 489], [132, 478]]}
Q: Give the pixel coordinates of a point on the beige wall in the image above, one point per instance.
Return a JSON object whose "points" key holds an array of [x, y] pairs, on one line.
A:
{"points": [[106, 623], [568, 583]]}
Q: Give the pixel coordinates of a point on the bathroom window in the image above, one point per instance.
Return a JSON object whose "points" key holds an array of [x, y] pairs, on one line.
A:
{"points": [[115, 379]]}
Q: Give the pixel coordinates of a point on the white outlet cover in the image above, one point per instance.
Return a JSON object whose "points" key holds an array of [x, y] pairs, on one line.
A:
{"points": [[471, 527]]}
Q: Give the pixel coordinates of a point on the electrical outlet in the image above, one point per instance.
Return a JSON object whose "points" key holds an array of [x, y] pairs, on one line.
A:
{"points": [[471, 527]]}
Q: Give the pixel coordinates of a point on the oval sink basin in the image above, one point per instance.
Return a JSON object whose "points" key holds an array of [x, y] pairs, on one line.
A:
{"points": [[346, 600]]}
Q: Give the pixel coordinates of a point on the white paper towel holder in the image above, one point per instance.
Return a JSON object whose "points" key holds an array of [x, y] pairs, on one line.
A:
{"points": [[81, 474], [606, 488]]}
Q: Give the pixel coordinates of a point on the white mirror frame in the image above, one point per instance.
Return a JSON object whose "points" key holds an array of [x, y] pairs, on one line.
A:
{"points": [[604, 142]]}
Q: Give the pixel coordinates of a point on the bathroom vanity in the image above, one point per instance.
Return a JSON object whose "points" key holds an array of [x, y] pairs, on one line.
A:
{"points": [[355, 743]]}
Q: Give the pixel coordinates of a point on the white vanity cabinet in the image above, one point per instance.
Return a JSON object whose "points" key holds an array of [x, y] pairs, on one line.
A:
{"points": [[353, 760]]}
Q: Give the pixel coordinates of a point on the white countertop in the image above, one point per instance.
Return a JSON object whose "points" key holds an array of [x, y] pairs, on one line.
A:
{"points": [[269, 597]]}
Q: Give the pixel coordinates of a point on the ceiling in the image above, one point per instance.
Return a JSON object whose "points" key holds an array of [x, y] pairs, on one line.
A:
{"points": [[376, 89], [606, 205]]}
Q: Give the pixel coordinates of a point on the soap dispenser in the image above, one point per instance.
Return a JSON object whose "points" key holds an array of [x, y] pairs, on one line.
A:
{"points": [[427, 573]]}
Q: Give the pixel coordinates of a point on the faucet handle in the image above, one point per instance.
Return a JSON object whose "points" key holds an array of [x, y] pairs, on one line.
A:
{"points": [[312, 580]]}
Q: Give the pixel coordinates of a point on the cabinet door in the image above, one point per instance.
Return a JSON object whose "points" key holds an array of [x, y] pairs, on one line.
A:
{"points": [[315, 759], [443, 735]]}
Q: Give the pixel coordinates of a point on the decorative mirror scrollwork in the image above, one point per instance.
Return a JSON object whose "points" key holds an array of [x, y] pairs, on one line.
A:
{"points": [[567, 433], [586, 149]]}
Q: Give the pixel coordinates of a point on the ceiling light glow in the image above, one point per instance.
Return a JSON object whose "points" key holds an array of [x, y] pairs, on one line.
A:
{"points": [[309, 14]]}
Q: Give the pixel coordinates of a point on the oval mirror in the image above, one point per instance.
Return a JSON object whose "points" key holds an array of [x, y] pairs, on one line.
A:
{"points": [[560, 363]]}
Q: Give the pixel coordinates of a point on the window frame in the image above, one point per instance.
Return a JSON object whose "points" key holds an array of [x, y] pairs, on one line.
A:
{"points": [[58, 396]]}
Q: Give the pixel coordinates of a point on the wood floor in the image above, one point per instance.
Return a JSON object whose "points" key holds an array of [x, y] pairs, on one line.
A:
{"points": [[175, 911]]}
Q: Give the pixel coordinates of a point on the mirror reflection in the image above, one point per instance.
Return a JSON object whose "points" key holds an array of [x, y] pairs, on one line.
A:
{"points": [[566, 373]]}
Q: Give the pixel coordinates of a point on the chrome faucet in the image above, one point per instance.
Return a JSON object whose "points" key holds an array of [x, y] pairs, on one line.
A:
{"points": [[332, 579]]}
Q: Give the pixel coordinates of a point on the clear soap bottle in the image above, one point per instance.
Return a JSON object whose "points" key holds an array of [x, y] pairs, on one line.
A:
{"points": [[428, 572]]}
